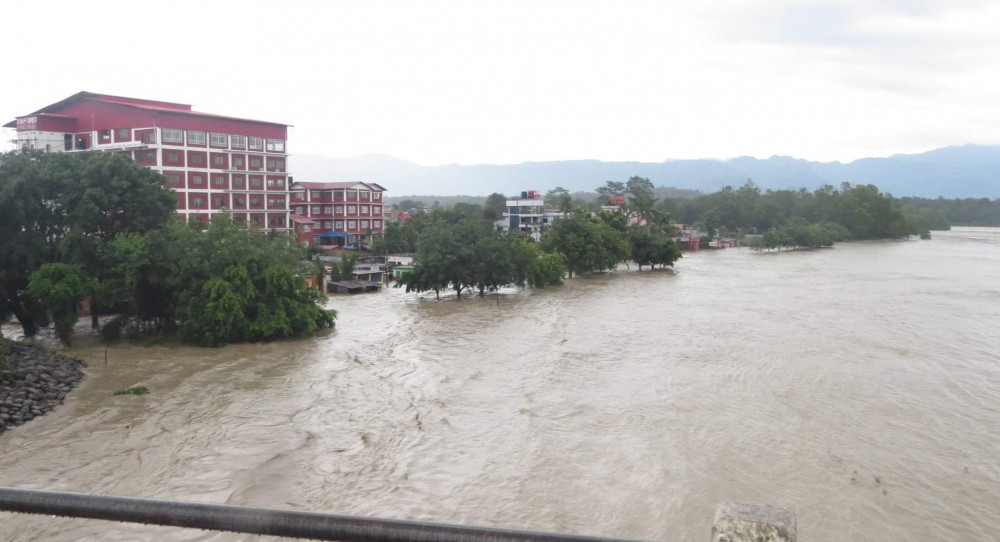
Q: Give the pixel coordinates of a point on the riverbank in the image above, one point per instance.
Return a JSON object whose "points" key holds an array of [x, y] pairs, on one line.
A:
{"points": [[33, 382]]}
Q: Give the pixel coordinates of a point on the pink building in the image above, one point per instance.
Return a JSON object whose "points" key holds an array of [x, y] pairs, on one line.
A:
{"points": [[215, 164], [342, 214]]}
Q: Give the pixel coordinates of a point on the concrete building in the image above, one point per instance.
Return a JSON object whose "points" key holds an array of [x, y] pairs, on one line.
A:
{"points": [[527, 214], [336, 214], [215, 164]]}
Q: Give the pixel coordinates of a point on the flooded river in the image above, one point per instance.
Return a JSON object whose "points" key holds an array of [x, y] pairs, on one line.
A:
{"points": [[858, 386]]}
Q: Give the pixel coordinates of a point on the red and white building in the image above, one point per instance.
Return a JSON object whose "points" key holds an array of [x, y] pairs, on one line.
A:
{"points": [[215, 164], [341, 214]]}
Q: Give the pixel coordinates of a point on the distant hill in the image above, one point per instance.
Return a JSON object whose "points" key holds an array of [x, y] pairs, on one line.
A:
{"points": [[950, 172]]}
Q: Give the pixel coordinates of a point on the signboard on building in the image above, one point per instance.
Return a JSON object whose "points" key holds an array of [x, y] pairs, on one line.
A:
{"points": [[27, 123]]}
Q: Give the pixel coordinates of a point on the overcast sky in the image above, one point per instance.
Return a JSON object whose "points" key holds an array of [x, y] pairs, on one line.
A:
{"points": [[505, 82]]}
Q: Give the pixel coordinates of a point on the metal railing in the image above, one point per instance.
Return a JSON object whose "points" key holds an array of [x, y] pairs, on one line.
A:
{"points": [[261, 521]]}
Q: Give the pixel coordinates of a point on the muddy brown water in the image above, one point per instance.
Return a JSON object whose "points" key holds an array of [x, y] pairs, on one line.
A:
{"points": [[858, 386]]}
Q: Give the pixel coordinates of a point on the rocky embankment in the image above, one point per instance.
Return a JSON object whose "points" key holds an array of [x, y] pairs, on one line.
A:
{"points": [[33, 382]]}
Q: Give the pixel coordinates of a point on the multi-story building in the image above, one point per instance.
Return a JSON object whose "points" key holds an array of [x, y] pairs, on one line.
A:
{"points": [[527, 214], [344, 214], [215, 164]]}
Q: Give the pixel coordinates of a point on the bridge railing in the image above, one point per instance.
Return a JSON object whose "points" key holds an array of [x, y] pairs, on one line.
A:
{"points": [[733, 523]]}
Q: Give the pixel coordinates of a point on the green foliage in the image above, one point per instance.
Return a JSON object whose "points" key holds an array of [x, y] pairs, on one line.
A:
{"points": [[31, 342], [137, 390], [66, 208], [229, 284], [940, 213], [60, 288], [652, 247], [473, 209], [639, 187], [559, 198], [610, 188], [319, 273], [586, 242], [862, 210], [495, 206]]}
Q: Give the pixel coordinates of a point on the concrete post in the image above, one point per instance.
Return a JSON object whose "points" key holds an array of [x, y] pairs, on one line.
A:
{"points": [[738, 522]]}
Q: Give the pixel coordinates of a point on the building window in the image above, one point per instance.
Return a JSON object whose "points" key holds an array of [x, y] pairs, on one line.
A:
{"points": [[255, 181], [238, 142], [196, 202], [219, 202], [376, 209], [314, 194], [218, 140], [328, 210], [196, 180], [237, 161], [255, 220], [376, 224], [172, 136], [351, 210], [255, 202], [338, 209], [340, 224], [270, 183], [364, 209], [255, 163], [123, 133], [149, 137], [352, 224], [300, 196], [276, 145], [315, 209], [218, 160], [173, 179], [173, 157], [256, 144], [220, 181], [196, 138], [305, 228], [238, 181], [238, 201], [196, 159], [352, 195], [376, 196], [105, 135], [364, 224]]}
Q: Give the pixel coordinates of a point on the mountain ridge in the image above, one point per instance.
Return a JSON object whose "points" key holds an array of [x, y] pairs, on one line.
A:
{"points": [[959, 171]]}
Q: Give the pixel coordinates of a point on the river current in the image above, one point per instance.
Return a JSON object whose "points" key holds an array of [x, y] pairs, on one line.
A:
{"points": [[858, 386]]}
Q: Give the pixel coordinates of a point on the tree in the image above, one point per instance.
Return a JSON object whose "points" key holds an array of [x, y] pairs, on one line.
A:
{"points": [[559, 198], [60, 288], [610, 188], [473, 209], [709, 222], [495, 206], [67, 208], [586, 243], [639, 186]]}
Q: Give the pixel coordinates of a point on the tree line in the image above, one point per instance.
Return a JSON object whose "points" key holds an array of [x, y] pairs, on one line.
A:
{"points": [[101, 227], [463, 252], [864, 211]]}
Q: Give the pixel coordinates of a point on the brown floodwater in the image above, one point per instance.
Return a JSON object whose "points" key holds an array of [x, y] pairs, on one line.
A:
{"points": [[858, 386]]}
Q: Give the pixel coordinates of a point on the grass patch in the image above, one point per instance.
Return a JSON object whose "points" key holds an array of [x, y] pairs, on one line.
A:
{"points": [[138, 390], [34, 343]]}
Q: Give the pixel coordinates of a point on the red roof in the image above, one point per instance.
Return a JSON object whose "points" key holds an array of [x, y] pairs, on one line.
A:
{"points": [[300, 219], [138, 103]]}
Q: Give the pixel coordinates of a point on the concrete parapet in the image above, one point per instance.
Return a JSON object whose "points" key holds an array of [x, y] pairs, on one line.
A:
{"points": [[739, 522]]}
